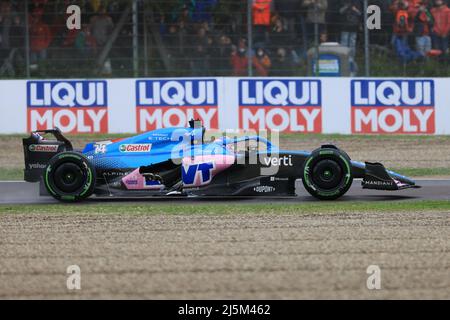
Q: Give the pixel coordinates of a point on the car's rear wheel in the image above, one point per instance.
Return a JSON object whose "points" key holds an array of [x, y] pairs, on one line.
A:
{"points": [[70, 177], [327, 173]]}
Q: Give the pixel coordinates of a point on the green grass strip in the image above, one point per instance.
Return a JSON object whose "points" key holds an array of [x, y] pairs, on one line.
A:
{"points": [[232, 207]]}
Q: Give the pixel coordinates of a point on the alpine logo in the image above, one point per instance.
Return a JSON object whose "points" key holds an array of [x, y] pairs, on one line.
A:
{"points": [[43, 147], [146, 147]]}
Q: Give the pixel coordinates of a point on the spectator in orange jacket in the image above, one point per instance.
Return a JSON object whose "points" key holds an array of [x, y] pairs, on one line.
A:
{"points": [[239, 61], [441, 15], [402, 18], [262, 63], [423, 24], [261, 10]]}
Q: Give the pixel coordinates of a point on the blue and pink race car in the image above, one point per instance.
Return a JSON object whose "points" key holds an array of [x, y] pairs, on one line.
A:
{"points": [[177, 161]]}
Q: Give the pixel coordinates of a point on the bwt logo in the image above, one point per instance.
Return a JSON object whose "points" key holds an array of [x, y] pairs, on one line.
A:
{"points": [[72, 106], [197, 174], [284, 105], [172, 103], [393, 106]]}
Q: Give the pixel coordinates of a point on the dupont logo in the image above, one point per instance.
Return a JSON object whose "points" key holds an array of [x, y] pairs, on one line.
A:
{"points": [[284, 105], [73, 106], [135, 147], [172, 103], [43, 148], [264, 189], [393, 106]]}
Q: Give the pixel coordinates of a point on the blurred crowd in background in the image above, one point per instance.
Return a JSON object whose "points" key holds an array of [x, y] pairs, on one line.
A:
{"points": [[211, 37]]}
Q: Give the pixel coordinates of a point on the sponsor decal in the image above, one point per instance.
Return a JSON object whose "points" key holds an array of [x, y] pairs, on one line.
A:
{"points": [[264, 189], [172, 103], [393, 106], [379, 183], [73, 106], [197, 174], [284, 105], [136, 148], [36, 166], [285, 161], [148, 183], [114, 174], [159, 137], [131, 182], [278, 179], [43, 148]]}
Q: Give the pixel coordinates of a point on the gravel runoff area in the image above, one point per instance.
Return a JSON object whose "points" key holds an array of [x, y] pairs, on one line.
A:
{"points": [[237, 256]]}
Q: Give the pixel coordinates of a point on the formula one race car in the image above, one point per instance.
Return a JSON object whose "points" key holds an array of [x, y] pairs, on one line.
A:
{"points": [[177, 161]]}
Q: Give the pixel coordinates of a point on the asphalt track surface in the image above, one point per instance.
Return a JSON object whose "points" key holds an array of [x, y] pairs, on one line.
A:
{"points": [[18, 192]]}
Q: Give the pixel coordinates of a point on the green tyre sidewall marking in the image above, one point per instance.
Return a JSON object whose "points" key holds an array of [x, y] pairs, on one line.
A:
{"points": [[87, 185], [80, 160], [307, 176], [47, 184]]}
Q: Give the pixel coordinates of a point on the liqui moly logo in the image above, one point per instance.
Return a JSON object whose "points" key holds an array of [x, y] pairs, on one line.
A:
{"points": [[393, 106], [284, 105], [172, 103], [73, 106]]}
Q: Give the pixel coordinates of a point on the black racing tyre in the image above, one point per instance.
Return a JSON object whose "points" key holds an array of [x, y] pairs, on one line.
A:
{"points": [[69, 177], [327, 173]]}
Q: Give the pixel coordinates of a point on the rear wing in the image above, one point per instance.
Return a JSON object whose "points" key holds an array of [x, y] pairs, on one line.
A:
{"points": [[38, 150]]}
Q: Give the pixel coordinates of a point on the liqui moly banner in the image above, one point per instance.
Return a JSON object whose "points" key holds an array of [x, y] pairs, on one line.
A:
{"points": [[317, 105], [393, 106], [72, 106], [172, 103], [288, 105]]}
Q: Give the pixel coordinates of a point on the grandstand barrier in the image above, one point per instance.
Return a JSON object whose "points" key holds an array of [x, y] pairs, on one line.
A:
{"points": [[303, 105]]}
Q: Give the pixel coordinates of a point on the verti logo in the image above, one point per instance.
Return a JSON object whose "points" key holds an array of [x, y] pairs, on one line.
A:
{"points": [[135, 147], [283, 105], [72, 106], [172, 103], [393, 106]]}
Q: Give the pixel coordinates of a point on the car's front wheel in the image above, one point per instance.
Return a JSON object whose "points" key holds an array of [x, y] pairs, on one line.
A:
{"points": [[69, 177], [327, 173]]}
